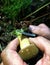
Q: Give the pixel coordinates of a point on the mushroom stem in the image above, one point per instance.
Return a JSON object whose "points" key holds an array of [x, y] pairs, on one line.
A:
{"points": [[23, 42]]}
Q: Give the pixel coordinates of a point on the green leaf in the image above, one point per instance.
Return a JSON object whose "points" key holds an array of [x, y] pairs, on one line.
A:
{"points": [[17, 32]]}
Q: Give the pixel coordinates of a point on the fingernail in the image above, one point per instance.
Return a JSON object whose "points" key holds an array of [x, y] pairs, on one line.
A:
{"points": [[31, 27]]}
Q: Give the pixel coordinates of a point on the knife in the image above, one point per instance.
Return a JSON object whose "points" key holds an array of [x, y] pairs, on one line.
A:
{"points": [[29, 34]]}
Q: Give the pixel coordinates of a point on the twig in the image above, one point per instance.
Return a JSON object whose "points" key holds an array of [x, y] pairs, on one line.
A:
{"points": [[39, 17], [36, 10]]}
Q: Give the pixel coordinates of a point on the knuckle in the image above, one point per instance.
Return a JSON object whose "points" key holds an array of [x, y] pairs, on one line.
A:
{"points": [[42, 24]]}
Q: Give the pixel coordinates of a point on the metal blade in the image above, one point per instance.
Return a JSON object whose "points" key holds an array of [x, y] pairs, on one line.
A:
{"points": [[29, 34]]}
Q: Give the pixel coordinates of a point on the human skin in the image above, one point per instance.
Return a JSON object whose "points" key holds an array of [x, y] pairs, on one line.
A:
{"points": [[11, 57], [44, 45], [41, 30], [1, 63]]}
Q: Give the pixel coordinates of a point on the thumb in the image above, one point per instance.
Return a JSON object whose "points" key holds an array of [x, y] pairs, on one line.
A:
{"points": [[35, 29], [42, 43], [13, 44]]}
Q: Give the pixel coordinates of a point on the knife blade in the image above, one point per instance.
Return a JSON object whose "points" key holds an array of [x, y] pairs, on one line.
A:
{"points": [[29, 34]]}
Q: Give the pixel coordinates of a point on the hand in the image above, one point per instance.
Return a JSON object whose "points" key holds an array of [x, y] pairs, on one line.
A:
{"points": [[44, 45], [41, 30], [10, 56]]}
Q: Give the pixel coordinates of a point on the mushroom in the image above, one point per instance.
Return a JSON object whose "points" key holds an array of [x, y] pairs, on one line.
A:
{"points": [[27, 50]]}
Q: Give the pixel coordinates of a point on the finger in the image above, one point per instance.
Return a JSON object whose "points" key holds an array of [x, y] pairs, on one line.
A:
{"points": [[42, 43], [13, 44], [39, 62], [35, 29], [43, 25], [1, 63]]}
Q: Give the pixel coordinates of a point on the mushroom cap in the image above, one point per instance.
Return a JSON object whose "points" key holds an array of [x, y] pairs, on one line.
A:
{"points": [[28, 52]]}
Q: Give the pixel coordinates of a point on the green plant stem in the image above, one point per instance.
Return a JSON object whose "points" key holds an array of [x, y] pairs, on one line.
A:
{"points": [[36, 10]]}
